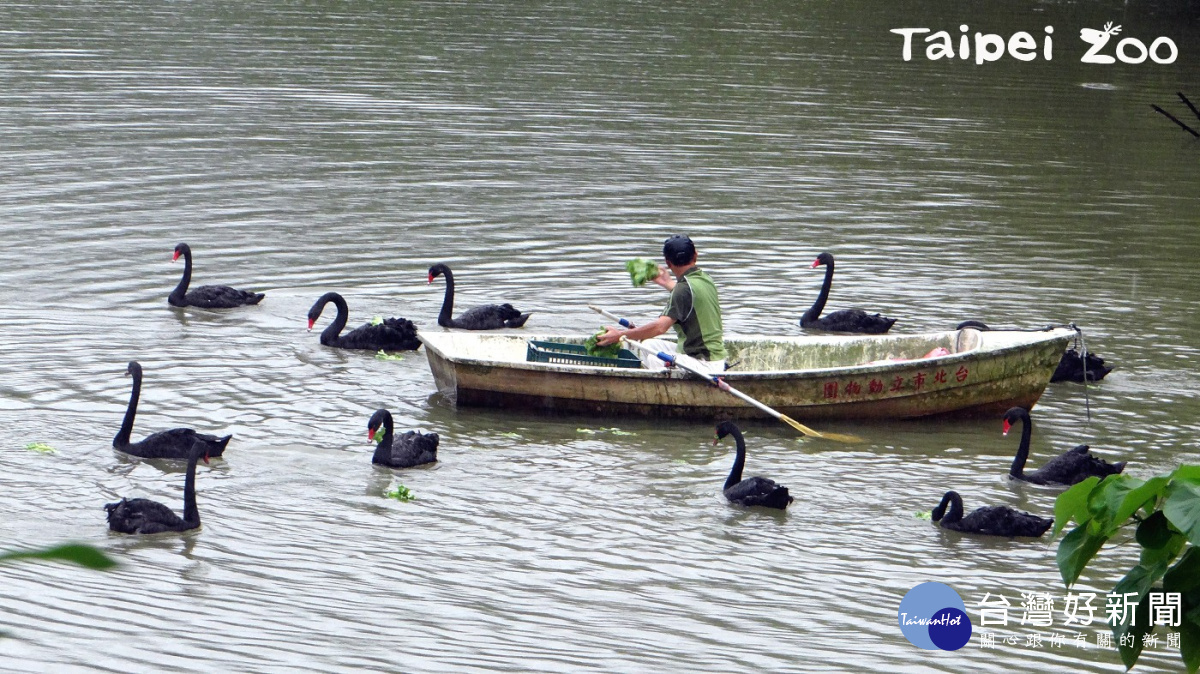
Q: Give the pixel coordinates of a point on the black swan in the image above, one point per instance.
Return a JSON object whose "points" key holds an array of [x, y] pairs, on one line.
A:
{"points": [[208, 297], [173, 444], [989, 521], [846, 320], [1071, 467], [1071, 367], [143, 516], [408, 450], [393, 334], [753, 491], [486, 317]]}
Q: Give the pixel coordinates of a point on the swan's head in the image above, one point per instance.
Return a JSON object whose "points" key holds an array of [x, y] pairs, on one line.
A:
{"points": [[725, 428], [823, 258], [134, 369], [315, 312], [180, 249], [381, 418], [437, 270], [1014, 415]]}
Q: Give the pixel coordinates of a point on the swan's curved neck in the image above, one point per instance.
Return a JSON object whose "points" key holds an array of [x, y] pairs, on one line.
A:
{"points": [[330, 334], [735, 474], [445, 318], [191, 515], [815, 312], [384, 449], [122, 439], [1018, 464], [181, 289], [956, 509]]}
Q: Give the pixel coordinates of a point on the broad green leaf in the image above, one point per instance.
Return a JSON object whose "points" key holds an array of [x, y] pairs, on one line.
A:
{"points": [[1189, 644], [1165, 553], [1184, 577], [1076, 549], [1139, 579], [1186, 473], [1106, 500], [83, 555], [1182, 507], [1072, 505], [1149, 491], [1154, 532]]}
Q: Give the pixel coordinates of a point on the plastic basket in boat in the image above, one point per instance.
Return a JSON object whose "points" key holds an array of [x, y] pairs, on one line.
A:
{"points": [[576, 354]]}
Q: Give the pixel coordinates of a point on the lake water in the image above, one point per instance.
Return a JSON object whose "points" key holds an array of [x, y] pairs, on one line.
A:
{"points": [[304, 147]]}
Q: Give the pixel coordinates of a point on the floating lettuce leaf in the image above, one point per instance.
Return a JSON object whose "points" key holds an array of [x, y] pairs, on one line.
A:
{"points": [[384, 355], [926, 515], [641, 270], [401, 493], [597, 431], [377, 320], [611, 351], [40, 447], [510, 434]]}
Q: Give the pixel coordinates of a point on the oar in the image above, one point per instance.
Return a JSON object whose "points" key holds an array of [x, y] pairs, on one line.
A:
{"points": [[682, 362]]}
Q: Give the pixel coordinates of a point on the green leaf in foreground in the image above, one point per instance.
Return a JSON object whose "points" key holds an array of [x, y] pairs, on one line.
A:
{"points": [[1075, 550], [641, 270], [1182, 508], [40, 447], [1072, 505], [401, 493], [83, 555]]}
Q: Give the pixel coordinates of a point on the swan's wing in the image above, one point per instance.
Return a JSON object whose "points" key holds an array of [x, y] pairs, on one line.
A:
{"points": [[221, 297], [749, 489], [172, 444]]}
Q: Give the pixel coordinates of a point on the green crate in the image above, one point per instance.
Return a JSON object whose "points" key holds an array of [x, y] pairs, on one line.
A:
{"points": [[576, 354]]}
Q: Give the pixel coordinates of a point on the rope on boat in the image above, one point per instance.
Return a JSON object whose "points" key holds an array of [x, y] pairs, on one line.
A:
{"points": [[1079, 341]]}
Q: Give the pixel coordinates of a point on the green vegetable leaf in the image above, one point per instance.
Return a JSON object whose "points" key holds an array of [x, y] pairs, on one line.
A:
{"points": [[1076, 549], [384, 355], [926, 515], [83, 555], [611, 351], [40, 447], [1182, 508], [641, 270], [377, 320], [401, 493], [510, 434], [1072, 505]]}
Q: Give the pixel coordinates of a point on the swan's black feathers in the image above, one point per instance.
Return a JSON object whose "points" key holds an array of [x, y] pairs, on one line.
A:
{"points": [[141, 516], [759, 491], [216, 297], [174, 444], [393, 334], [989, 520], [850, 320], [410, 449], [490, 317], [1071, 367]]}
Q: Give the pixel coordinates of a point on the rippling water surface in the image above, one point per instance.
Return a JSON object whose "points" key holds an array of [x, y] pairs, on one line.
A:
{"points": [[310, 146]]}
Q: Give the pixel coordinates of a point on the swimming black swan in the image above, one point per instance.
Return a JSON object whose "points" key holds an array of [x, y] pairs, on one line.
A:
{"points": [[989, 521], [208, 297], [753, 491], [1071, 367], [846, 320], [486, 317], [408, 450], [173, 444], [143, 516], [393, 334], [1071, 467]]}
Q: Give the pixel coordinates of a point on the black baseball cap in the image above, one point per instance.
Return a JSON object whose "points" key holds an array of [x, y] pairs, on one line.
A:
{"points": [[679, 250]]}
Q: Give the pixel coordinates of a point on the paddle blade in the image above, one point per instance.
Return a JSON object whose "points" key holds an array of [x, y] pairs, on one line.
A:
{"points": [[836, 437]]}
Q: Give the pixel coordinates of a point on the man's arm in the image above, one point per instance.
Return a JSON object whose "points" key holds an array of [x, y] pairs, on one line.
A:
{"points": [[654, 328]]}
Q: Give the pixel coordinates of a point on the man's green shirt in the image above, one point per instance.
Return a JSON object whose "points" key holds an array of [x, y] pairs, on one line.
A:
{"points": [[697, 313]]}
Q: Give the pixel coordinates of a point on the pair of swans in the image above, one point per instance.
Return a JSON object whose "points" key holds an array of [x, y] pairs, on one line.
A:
{"points": [[143, 516], [1071, 467], [399, 334]]}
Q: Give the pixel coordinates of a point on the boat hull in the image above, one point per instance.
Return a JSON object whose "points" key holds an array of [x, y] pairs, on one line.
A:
{"points": [[986, 373]]}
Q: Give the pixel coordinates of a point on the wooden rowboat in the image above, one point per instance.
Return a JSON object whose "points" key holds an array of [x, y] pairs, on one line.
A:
{"points": [[806, 377]]}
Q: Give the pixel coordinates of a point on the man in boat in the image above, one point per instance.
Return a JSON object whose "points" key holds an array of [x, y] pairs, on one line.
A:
{"points": [[693, 309]]}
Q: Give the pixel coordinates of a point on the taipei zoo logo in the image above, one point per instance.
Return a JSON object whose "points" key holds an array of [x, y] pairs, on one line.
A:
{"points": [[933, 616]]}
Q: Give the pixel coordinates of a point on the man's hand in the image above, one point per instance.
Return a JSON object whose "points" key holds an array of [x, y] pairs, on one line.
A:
{"points": [[664, 278], [611, 336]]}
